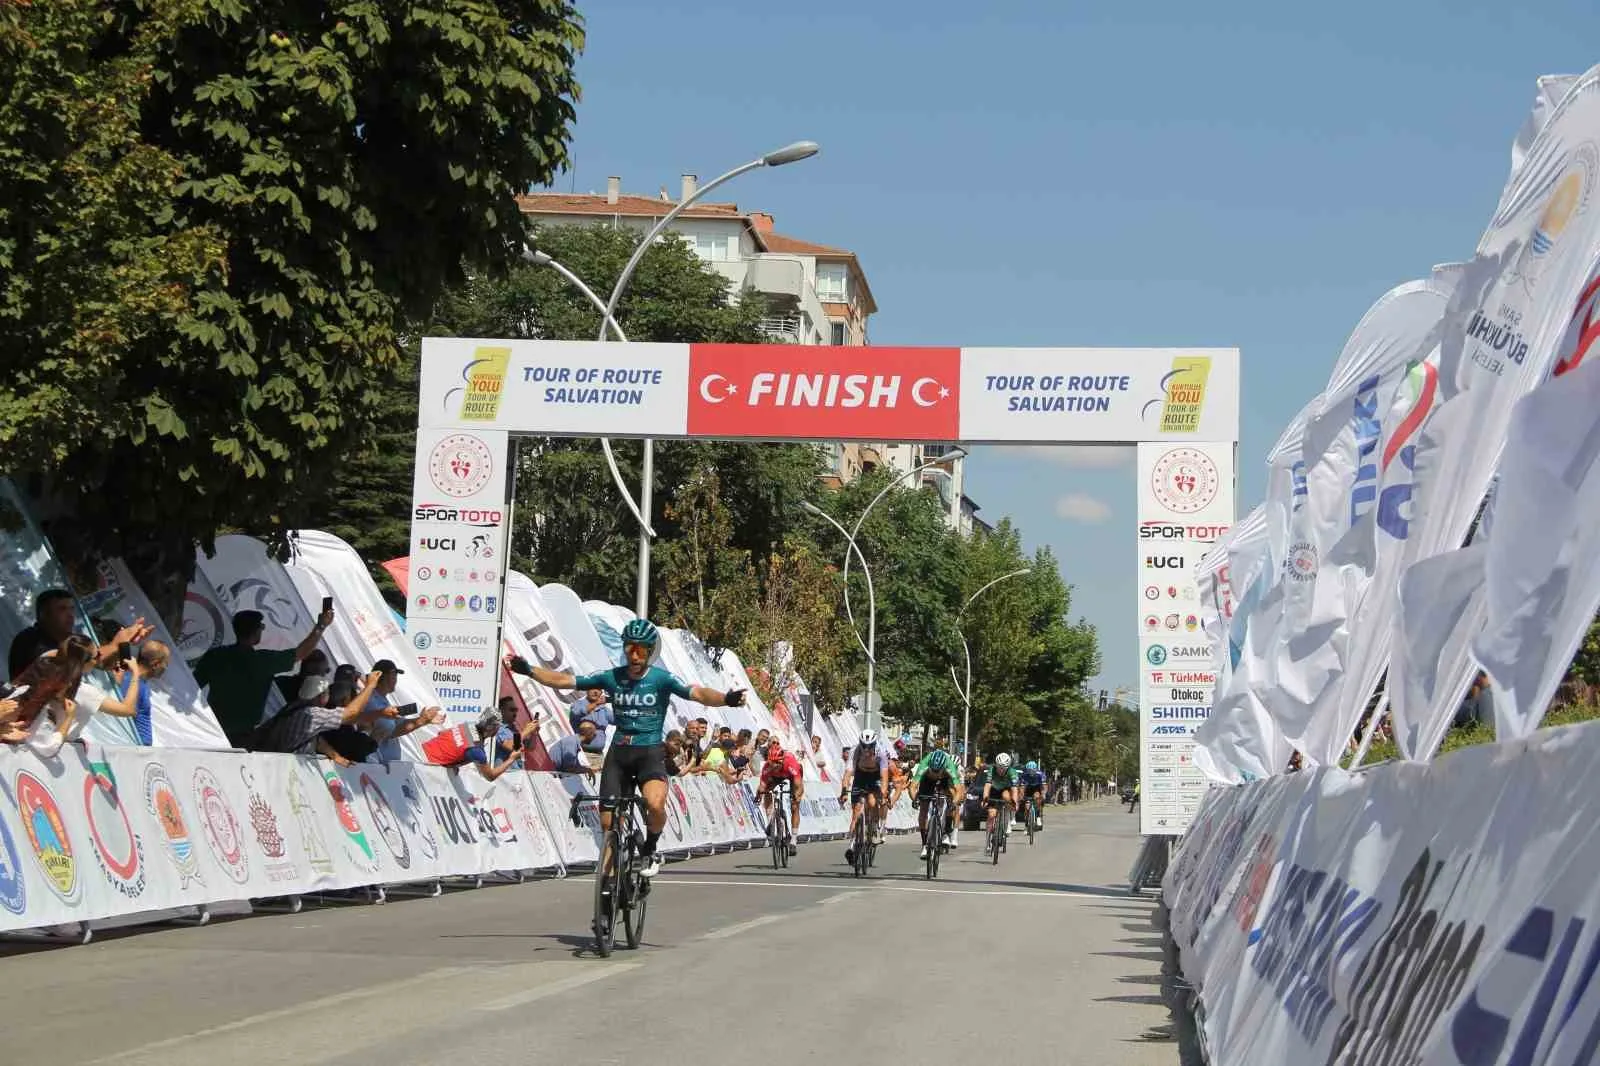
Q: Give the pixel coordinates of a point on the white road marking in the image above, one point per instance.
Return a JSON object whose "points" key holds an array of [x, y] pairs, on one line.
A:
{"points": [[297, 1012], [884, 886], [588, 975], [744, 927], [330, 1027]]}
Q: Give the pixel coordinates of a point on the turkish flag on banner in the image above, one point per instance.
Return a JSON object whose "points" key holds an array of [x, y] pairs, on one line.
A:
{"points": [[777, 391]]}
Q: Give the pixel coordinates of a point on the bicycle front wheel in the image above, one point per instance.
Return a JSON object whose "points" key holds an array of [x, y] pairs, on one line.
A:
{"points": [[775, 837], [1029, 816], [607, 893], [635, 904]]}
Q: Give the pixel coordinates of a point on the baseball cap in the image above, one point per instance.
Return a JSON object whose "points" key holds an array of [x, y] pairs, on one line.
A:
{"points": [[387, 666], [489, 720], [313, 686]]}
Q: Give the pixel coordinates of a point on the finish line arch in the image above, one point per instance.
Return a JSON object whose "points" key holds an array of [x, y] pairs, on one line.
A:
{"points": [[1180, 406]]}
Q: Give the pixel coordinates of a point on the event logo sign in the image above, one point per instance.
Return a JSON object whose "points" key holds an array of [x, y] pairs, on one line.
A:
{"points": [[47, 834], [305, 817], [162, 802], [360, 851], [384, 820], [415, 825], [222, 832], [269, 838], [117, 848]]}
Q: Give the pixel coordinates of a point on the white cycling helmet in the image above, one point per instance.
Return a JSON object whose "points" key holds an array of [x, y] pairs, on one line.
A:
{"points": [[1003, 761], [869, 736]]}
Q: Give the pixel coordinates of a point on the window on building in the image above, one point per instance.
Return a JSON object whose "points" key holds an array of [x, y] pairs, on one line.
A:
{"points": [[831, 283], [934, 451], [836, 333], [713, 247]]}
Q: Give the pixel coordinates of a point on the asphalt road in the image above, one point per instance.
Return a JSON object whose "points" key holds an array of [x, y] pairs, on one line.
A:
{"points": [[1046, 953]]}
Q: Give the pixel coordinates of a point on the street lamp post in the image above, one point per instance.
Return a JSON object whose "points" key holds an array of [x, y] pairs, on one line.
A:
{"points": [[789, 154], [872, 602], [872, 619], [966, 651]]}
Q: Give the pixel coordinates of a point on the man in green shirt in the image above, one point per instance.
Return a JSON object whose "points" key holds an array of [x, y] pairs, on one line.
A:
{"points": [[240, 674]]}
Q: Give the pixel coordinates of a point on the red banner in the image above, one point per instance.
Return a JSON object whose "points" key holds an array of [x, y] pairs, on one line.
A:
{"points": [[776, 391]]}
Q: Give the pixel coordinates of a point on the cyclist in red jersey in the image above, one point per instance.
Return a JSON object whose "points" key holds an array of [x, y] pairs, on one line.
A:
{"points": [[779, 767]]}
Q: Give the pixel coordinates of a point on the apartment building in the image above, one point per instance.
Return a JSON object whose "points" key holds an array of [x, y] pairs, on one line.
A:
{"points": [[814, 294]]}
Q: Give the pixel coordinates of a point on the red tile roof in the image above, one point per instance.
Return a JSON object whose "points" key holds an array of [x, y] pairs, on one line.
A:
{"points": [[553, 203], [777, 242]]}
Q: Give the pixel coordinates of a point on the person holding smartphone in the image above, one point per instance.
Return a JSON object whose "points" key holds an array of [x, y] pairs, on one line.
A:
{"points": [[239, 675]]}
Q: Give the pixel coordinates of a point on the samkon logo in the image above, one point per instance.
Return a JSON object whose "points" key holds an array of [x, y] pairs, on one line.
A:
{"points": [[784, 391], [461, 640], [469, 516], [1172, 531], [1183, 395], [485, 381]]}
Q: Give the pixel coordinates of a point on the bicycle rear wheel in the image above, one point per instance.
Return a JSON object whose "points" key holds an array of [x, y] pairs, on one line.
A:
{"points": [[607, 893]]}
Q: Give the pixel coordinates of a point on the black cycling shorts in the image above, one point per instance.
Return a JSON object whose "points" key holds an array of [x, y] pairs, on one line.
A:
{"points": [[859, 788], [928, 786], [627, 767], [997, 797]]}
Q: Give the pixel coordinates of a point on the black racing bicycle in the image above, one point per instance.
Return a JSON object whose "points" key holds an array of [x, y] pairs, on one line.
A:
{"points": [[780, 835], [620, 890], [934, 809], [997, 833]]}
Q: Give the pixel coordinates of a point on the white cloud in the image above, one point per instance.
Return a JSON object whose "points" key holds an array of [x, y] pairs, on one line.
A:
{"points": [[1077, 507], [1078, 455]]}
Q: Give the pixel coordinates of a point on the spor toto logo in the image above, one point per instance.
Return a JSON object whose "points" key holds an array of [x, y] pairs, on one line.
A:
{"points": [[1185, 480], [460, 465]]}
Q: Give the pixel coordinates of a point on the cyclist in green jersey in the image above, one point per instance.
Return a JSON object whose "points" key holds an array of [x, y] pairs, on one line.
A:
{"points": [[937, 772], [999, 787], [640, 695]]}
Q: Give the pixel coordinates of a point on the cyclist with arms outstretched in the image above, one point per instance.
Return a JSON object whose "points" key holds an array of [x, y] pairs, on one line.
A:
{"points": [[999, 788], [866, 782], [640, 694], [780, 767], [937, 772]]}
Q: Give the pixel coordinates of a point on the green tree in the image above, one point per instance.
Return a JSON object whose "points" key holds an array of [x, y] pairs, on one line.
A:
{"points": [[218, 214]]}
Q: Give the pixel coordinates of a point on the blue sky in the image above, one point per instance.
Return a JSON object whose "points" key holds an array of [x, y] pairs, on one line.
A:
{"points": [[1250, 175]]}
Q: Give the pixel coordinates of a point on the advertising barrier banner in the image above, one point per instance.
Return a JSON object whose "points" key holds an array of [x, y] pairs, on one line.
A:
{"points": [[1408, 913], [117, 831]]}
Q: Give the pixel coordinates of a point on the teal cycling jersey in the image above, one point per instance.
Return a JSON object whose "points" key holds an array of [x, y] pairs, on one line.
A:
{"points": [[639, 703]]}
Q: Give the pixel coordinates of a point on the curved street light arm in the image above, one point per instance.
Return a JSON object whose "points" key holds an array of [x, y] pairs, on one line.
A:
{"points": [[538, 258], [966, 652], [855, 549], [954, 453]]}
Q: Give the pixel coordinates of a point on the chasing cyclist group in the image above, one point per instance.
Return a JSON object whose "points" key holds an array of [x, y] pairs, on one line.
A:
{"points": [[640, 695]]}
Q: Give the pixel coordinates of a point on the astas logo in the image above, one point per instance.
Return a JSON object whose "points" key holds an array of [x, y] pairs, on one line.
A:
{"points": [[778, 391]]}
